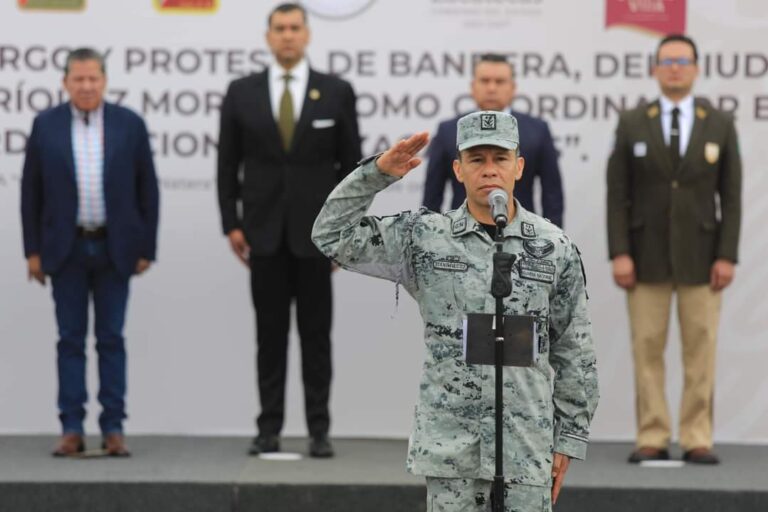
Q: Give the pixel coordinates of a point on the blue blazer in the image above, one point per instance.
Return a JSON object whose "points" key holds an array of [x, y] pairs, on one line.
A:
{"points": [[536, 146], [49, 199]]}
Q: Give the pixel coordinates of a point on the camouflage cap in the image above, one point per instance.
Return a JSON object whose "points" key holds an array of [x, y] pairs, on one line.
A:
{"points": [[487, 128]]}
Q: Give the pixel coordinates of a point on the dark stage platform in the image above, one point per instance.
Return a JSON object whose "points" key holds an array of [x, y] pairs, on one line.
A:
{"points": [[170, 474]]}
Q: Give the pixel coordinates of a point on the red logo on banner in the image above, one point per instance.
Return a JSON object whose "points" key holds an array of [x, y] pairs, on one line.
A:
{"points": [[657, 16], [187, 5]]}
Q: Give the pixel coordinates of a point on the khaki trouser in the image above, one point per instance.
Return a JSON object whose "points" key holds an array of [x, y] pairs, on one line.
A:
{"points": [[698, 309]]}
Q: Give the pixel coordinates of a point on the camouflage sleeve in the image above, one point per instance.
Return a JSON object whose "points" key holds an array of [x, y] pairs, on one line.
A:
{"points": [[375, 246], [572, 355]]}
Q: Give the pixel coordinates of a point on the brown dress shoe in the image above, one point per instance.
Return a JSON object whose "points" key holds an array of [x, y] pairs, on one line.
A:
{"points": [[647, 453], [701, 456], [70, 445], [114, 446]]}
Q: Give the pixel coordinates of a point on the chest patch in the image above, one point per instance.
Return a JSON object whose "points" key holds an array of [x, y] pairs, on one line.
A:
{"points": [[538, 248], [459, 226], [537, 270], [451, 264], [527, 229]]}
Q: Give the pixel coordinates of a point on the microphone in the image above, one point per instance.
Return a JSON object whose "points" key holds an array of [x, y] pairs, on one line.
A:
{"points": [[497, 199]]}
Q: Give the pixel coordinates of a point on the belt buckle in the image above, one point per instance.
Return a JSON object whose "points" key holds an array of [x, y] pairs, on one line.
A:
{"points": [[91, 233]]}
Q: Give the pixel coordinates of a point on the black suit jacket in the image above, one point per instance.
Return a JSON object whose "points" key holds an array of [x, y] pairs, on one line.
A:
{"points": [[674, 222], [271, 194], [536, 146]]}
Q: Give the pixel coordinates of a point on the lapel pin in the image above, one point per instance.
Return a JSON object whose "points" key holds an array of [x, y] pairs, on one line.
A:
{"points": [[701, 113], [653, 111], [314, 94]]}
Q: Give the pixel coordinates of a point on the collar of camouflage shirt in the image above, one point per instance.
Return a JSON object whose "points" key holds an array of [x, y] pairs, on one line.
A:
{"points": [[522, 226]]}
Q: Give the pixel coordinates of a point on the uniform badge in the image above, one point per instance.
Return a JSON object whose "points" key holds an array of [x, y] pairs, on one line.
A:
{"points": [[487, 121], [537, 270], [538, 248], [640, 149], [528, 230], [314, 94], [451, 264], [711, 152], [459, 226]]}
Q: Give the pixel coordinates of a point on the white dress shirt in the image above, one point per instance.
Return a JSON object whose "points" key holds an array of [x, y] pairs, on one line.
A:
{"points": [[685, 118], [297, 85], [88, 153]]}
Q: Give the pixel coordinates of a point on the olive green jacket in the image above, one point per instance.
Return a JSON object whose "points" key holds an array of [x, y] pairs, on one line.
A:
{"points": [[674, 223]]}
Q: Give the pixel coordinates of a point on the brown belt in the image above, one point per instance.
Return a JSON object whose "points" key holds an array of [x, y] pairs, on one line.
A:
{"points": [[92, 233]]}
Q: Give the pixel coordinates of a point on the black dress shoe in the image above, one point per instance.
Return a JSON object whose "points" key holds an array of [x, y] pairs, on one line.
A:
{"points": [[320, 447], [264, 444], [701, 456], [646, 453]]}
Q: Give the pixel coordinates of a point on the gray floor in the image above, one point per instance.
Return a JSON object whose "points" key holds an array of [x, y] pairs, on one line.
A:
{"points": [[205, 470], [357, 461]]}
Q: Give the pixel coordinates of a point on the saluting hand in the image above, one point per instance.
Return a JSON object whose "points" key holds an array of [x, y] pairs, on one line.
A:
{"points": [[401, 158]]}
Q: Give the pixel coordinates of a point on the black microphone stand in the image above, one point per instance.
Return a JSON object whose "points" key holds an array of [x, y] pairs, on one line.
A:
{"points": [[501, 286]]}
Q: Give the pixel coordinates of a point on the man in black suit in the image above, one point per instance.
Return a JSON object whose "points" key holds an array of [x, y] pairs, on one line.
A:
{"points": [[493, 87], [288, 135]]}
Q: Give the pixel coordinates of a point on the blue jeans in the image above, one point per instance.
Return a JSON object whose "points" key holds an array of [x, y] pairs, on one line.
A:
{"points": [[89, 272]]}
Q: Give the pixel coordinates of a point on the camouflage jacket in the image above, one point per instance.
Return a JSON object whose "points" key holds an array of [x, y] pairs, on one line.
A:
{"points": [[445, 262]]}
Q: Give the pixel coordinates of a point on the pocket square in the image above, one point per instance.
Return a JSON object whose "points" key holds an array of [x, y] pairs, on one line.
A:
{"points": [[323, 123]]}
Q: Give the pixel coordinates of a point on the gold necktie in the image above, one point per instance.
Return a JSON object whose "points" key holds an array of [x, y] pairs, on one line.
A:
{"points": [[285, 119]]}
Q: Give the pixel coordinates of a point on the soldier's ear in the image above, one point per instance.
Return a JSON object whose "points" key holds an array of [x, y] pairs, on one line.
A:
{"points": [[457, 171], [520, 167]]}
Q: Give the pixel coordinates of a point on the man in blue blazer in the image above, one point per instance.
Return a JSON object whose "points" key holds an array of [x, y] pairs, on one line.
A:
{"points": [[89, 210], [493, 87]]}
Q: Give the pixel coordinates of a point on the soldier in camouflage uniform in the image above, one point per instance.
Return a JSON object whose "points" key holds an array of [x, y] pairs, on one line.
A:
{"points": [[445, 262]]}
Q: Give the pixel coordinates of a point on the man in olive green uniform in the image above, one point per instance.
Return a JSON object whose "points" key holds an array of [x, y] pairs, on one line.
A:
{"points": [[445, 262], [674, 208]]}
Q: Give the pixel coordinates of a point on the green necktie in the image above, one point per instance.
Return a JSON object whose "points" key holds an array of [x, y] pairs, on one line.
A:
{"points": [[285, 119]]}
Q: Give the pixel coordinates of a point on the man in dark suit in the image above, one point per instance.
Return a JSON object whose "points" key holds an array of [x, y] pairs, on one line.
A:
{"points": [[89, 209], [288, 136], [493, 87], [674, 209]]}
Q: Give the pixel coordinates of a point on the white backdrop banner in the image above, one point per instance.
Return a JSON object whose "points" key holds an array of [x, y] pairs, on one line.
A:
{"points": [[190, 330]]}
